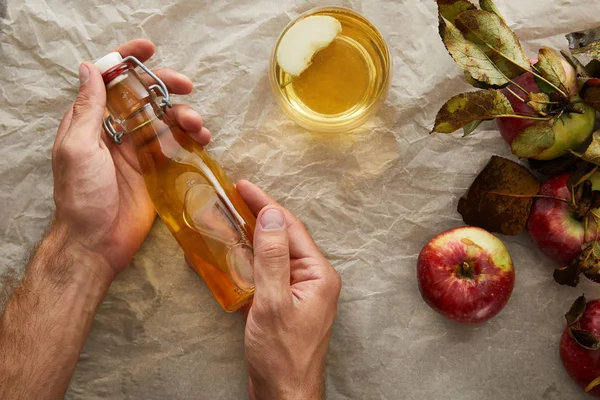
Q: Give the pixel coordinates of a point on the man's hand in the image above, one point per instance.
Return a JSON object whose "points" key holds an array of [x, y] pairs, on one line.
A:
{"points": [[101, 200], [103, 214], [289, 323]]}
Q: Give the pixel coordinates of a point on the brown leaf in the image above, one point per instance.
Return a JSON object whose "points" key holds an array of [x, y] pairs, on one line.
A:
{"points": [[568, 275], [592, 153], [585, 42], [465, 108], [593, 68], [588, 263], [585, 339], [555, 167], [590, 92], [576, 311], [582, 71], [488, 204]]}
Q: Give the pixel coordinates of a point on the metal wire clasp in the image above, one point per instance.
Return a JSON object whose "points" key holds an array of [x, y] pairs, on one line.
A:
{"points": [[160, 87]]}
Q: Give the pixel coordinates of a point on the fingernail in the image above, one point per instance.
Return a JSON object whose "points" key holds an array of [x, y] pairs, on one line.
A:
{"points": [[272, 220], [84, 74]]}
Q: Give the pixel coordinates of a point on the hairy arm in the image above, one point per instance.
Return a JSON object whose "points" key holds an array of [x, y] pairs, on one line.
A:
{"points": [[47, 319]]}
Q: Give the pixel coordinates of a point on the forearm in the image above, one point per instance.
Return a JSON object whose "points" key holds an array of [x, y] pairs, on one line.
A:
{"points": [[46, 321]]}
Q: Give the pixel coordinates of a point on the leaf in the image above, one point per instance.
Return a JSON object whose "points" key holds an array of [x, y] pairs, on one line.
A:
{"points": [[576, 311], [488, 203], [533, 140], [538, 102], [555, 167], [550, 67], [475, 83], [582, 172], [585, 42], [488, 5], [590, 93], [449, 9], [585, 339], [567, 275], [491, 34], [471, 126], [592, 153], [593, 68], [469, 57], [465, 108], [575, 63], [588, 263]]}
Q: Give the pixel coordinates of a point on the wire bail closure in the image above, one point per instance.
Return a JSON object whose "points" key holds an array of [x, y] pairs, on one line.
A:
{"points": [[160, 87]]}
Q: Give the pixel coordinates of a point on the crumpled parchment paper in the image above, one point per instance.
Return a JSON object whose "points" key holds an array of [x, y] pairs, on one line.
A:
{"points": [[371, 198]]}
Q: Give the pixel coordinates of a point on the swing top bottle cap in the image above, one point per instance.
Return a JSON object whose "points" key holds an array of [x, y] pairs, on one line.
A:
{"points": [[108, 61], [111, 67]]}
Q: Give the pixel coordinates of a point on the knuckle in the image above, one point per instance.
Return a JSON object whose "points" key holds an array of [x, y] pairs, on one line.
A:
{"points": [[85, 102], [275, 250], [267, 308]]}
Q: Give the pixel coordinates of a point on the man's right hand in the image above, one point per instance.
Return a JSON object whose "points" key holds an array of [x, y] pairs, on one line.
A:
{"points": [[290, 320]]}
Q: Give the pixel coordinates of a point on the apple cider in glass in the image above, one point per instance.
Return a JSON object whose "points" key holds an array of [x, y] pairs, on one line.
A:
{"points": [[345, 81]]}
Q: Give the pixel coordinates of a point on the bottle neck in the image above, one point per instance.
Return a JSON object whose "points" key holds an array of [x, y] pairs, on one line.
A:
{"points": [[134, 107]]}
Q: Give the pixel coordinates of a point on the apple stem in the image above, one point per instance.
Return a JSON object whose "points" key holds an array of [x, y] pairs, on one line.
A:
{"points": [[465, 270], [592, 384], [523, 116], [528, 196], [516, 95]]}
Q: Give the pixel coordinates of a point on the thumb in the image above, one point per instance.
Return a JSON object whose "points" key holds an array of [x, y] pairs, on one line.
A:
{"points": [[88, 109], [271, 256]]}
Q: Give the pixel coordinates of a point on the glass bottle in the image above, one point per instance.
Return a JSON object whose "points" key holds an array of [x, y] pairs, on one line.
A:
{"points": [[189, 190]]}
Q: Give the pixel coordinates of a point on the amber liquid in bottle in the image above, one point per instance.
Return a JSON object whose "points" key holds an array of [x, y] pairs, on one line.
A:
{"points": [[190, 192]]}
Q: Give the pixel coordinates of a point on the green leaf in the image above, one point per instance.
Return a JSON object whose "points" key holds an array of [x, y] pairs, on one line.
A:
{"points": [[489, 6], [592, 153], [471, 126], [500, 198], [532, 140], [449, 9], [465, 108], [491, 34], [585, 42], [550, 67], [469, 57], [576, 311]]}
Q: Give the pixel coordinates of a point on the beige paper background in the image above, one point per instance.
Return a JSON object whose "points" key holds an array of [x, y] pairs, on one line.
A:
{"points": [[371, 198]]}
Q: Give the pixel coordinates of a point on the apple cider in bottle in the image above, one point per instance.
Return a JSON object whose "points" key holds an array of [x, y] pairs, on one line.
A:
{"points": [[189, 190]]}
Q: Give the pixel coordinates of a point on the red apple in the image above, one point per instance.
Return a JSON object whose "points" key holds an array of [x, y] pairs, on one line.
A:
{"points": [[582, 364], [553, 225], [570, 133], [466, 274]]}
